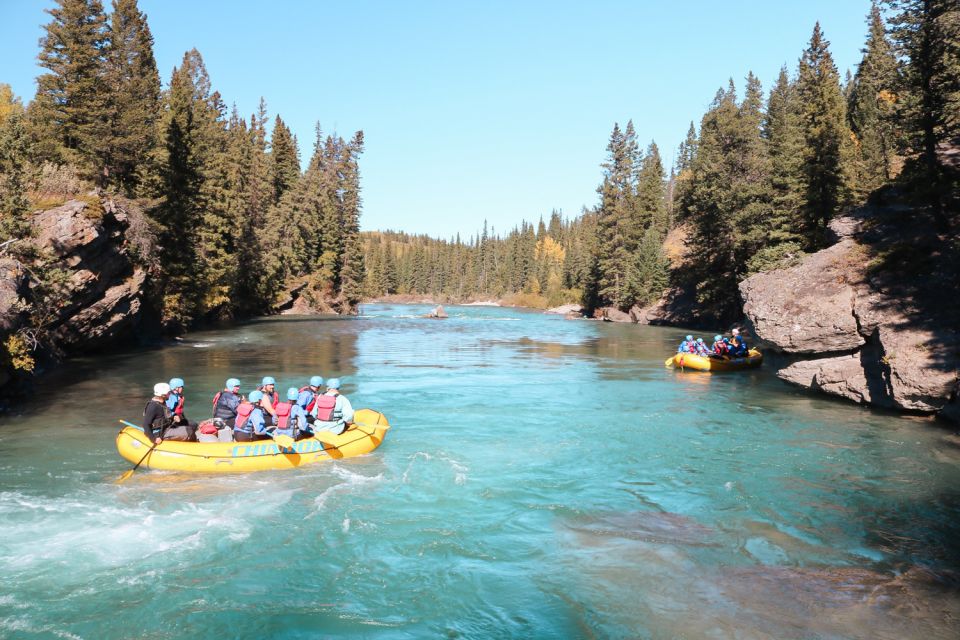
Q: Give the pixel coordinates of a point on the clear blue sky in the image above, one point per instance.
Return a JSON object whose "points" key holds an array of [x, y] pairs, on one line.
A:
{"points": [[473, 110]]}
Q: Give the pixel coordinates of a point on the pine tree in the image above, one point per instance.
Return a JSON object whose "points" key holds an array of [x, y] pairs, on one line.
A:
{"points": [[728, 198], [927, 34], [70, 114], [133, 97], [651, 197], [617, 229], [872, 107], [284, 159], [826, 138], [784, 138], [14, 205], [352, 272]]}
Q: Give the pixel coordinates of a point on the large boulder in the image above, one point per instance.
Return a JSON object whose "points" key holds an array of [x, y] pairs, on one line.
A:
{"points": [[807, 308], [858, 339]]}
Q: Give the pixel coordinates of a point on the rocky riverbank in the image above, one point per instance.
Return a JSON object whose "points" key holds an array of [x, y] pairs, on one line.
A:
{"points": [[102, 298], [872, 318]]}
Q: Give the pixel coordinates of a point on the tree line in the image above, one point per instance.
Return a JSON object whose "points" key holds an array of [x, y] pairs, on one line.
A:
{"points": [[752, 188], [232, 220]]}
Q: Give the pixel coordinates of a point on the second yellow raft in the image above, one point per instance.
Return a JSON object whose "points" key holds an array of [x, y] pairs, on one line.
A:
{"points": [[690, 361], [363, 436]]}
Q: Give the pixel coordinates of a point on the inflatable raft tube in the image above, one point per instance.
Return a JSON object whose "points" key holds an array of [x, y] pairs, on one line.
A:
{"points": [[363, 436], [690, 361]]}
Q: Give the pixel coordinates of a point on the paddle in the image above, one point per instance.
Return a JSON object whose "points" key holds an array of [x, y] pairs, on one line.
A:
{"points": [[668, 361], [127, 474]]}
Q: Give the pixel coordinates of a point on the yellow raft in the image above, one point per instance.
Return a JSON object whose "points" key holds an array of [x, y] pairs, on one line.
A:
{"points": [[363, 436], [700, 363]]}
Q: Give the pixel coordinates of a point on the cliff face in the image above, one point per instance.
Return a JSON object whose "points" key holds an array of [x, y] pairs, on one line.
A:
{"points": [[103, 298], [872, 318]]}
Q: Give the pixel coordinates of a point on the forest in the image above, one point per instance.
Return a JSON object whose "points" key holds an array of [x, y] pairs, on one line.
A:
{"points": [[754, 185], [224, 217]]}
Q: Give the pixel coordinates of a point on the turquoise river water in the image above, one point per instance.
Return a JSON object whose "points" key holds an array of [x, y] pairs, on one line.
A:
{"points": [[544, 478]]}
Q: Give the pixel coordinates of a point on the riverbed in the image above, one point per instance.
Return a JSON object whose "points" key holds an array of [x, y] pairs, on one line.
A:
{"points": [[543, 478]]}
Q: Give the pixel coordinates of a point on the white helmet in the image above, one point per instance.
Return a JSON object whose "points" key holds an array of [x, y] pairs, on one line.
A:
{"points": [[161, 389]]}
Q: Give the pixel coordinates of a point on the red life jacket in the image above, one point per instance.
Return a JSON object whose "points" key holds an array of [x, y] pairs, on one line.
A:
{"points": [[243, 414], [313, 402], [283, 415], [692, 347], [720, 348], [274, 397], [216, 399], [325, 407], [178, 410]]}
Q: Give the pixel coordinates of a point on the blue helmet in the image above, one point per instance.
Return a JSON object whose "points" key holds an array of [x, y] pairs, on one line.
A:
{"points": [[699, 339], [268, 380], [176, 382], [316, 381], [333, 383], [231, 383], [292, 393], [255, 396], [689, 338], [717, 338]]}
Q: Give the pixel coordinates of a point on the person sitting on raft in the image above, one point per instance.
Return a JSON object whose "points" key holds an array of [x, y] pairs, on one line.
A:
{"points": [[333, 411], [225, 403], [159, 422], [270, 397], [253, 422], [687, 346], [306, 396], [738, 346], [720, 347], [175, 402], [700, 348], [292, 419]]}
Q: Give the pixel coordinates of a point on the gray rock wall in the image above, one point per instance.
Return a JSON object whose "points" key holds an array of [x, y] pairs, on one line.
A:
{"points": [[852, 339], [103, 299]]}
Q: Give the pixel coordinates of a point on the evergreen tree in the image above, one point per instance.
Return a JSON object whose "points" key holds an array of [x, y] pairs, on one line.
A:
{"points": [[927, 35], [872, 106], [352, 272], [284, 159], [826, 151], [651, 197], [14, 205], [133, 97], [784, 138], [70, 112], [617, 228]]}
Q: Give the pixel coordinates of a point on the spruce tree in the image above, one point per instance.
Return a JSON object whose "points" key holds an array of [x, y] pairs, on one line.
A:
{"points": [[284, 159], [926, 34], [784, 138], [826, 151], [617, 227], [872, 107], [133, 97], [352, 271], [70, 112]]}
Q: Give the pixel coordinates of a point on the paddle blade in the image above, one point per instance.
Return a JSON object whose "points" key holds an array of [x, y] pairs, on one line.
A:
{"points": [[126, 474], [284, 442], [668, 361]]}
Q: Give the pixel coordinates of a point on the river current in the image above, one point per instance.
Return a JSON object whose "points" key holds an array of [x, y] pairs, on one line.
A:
{"points": [[544, 478]]}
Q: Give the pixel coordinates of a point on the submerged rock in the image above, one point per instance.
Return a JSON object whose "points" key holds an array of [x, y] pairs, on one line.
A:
{"points": [[438, 313], [566, 309]]}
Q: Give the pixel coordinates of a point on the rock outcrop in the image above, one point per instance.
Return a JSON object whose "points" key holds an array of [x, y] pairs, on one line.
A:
{"points": [[858, 336], [102, 299]]}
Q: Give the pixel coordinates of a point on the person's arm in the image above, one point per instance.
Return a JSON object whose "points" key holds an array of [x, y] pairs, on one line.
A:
{"points": [[267, 404], [346, 409]]}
